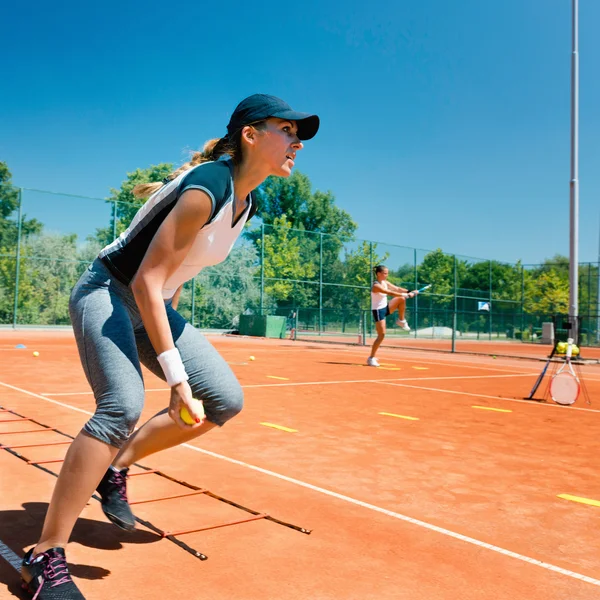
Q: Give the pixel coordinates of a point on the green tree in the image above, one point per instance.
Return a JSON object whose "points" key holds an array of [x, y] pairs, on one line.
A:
{"points": [[283, 264], [505, 279], [127, 204], [403, 276], [320, 227], [355, 270], [588, 289], [51, 264], [9, 203], [548, 293], [437, 269], [224, 291], [303, 209]]}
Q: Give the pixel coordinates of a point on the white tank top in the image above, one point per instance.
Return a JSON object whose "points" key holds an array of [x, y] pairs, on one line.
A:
{"points": [[378, 299]]}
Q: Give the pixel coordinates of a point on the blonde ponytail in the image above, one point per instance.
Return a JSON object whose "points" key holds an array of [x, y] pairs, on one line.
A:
{"points": [[145, 190], [212, 150]]}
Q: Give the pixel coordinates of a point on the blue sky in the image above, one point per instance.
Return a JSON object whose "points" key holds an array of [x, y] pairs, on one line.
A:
{"points": [[444, 123]]}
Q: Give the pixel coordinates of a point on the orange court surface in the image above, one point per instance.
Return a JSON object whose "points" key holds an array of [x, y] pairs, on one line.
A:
{"points": [[429, 478]]}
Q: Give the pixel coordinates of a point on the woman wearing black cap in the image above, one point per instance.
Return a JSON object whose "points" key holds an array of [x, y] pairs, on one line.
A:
{"points": [[123, 315]]}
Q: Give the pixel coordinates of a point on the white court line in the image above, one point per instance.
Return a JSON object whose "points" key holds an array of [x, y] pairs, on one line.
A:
{"points": [[378, 509], [12, 387], [401, 517], [88, 393], [10, 557], [459, 359], [301, 383], [529, 402]]}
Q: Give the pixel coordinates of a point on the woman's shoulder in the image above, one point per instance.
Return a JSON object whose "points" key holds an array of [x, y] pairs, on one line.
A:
{"points": [[214, 176]]}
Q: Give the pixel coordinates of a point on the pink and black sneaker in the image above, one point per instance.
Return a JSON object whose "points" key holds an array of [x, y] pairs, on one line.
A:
{"points": [[46, 577], [113, 491]]}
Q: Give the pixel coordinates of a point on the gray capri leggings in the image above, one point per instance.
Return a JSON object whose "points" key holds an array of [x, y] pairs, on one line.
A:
{"points": [[112, 341]]}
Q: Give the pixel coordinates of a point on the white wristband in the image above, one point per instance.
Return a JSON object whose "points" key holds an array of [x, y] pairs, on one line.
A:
{"points": [[172, 367]]}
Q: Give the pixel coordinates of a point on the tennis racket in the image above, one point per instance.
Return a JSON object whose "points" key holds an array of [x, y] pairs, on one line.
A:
{"points": [[564, 387], [541, 376], [406, 295]]}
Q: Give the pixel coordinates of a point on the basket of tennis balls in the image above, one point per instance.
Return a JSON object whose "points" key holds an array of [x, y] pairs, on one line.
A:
{"points": [[561, 348]]}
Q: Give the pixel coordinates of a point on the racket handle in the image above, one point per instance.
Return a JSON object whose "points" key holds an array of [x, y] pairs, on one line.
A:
{"points": [[569, 347]]}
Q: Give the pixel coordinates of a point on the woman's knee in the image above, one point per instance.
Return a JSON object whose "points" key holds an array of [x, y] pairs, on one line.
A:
{"points": [[224, 404], [114, 425]]}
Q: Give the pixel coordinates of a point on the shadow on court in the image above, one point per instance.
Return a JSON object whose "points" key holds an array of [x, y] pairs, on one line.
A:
{"points": [[344, 364], [20, 529]]}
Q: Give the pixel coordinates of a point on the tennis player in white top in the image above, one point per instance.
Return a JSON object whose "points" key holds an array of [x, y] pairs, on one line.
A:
{"points": [[381, 308]]}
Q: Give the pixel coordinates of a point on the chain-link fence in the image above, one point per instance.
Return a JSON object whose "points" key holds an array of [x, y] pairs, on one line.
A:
{"points": [[321, 282]]}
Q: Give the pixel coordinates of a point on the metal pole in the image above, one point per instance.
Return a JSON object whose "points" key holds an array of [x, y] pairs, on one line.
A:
{"points": [[490, 311], [589, 304], [262, 267], [522, 297], [321, 283], [598, 295], [371, 265], [416, 328], [454, 318], [18, 258], [372, 278], [574, 187]]}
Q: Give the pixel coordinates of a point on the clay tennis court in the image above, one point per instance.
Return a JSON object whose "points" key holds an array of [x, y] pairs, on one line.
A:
{"points": [[426, 479]]}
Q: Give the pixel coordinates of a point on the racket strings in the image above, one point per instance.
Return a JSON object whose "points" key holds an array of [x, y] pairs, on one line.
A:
{"points": [[564, 388]]}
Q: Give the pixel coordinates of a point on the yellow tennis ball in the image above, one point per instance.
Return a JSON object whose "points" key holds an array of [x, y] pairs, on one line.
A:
{"points": [[251, 358], [185, 414], [36, 353], [186, 417]]}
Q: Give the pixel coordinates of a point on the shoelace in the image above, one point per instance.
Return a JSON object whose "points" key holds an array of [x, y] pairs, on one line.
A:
{"points": [[120, 482], [55, 567]]}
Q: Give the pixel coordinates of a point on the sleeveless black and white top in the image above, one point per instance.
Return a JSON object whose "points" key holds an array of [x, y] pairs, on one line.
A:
{"points": [[213, 242]]}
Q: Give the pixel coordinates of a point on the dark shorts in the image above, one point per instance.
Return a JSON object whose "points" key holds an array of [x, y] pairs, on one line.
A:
{"points": [[381, 313]]}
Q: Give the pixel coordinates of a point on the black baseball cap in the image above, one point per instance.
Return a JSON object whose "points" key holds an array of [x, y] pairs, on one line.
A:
{"points": [[262, 106]]}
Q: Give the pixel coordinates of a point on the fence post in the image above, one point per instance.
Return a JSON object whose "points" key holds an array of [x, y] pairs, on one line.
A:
{"points": [[371, 265], [416, 319], [362, 338], [598, 300], [321, 283], [589, 311], [18, 258], [454, 318], [490, 311], [522, 298], [262, 268]]}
